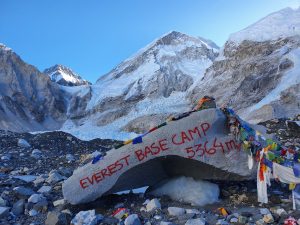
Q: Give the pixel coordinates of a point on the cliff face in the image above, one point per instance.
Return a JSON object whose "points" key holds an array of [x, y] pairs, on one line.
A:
{"points": [[258, 79], [28, 99]]}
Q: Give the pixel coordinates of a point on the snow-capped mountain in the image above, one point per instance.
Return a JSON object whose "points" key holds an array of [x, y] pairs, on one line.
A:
{"points": [[146, 88], [258, 69], [256, 72], [281, 24], [65, 76], [28, 99]]}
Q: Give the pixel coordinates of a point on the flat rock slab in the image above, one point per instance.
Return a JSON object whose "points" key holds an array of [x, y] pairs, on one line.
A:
{"points": [[198, 146]]}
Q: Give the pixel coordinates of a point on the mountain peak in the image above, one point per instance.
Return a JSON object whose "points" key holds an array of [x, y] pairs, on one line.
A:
{"points": [[4, 47], [280, 24], [174, 34], [176, 37], [64, 76]]}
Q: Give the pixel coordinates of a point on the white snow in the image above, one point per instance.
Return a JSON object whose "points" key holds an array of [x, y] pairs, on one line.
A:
{"points": [[80, 91], [62, 75], [128, 84], [89, 130], [140, 190], [60, 72], [4, 47], [112, 86], [188, 190], [176, 102], [208, 43], [116, 87], [284, 23]]}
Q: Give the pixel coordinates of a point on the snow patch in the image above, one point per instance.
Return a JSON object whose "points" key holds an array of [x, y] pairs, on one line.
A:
{"points": [[88, 130], [188, 190], [4, 47], [140, 190], [284, 23]]}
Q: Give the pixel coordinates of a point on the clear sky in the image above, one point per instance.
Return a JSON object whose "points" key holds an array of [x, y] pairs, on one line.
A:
{"points": [[93, 36]]}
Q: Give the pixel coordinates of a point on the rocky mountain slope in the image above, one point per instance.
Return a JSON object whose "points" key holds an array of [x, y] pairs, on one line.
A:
{"points": [[258, 70], [144, 89], [65, 76], [28, 99]]}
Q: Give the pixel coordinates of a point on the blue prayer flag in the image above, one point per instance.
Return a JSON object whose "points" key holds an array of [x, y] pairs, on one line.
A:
{"points": [[296, 169], [97, 158], [137, 140]]}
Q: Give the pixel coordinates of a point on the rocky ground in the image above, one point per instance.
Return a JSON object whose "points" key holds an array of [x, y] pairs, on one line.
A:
{"points": [[33, 167]]}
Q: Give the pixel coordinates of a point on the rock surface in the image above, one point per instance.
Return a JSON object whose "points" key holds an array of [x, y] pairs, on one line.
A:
{"points": [[134, 166], [29, 101]]}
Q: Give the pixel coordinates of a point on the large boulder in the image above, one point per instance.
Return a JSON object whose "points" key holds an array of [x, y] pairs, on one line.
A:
{"points": [[198, 146]]}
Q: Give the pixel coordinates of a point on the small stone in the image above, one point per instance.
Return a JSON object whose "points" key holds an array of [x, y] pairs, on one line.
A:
{"points": [[54, 177], [18, 207], [222, 222], [57, 218], [185, 216], [280, 212], [41, 205], [66, 171], [234, 220], [192, 211], [23, 191], [268, 218], [132, 219], [4, 211], [153, 204], [87, 218], [59, 202], [146, 201], [26, 178], [70, 157], [110, 220], [166, 223], [37, 154], [242, 219], [40, 179], [45, 189], [3, 202], [23, 143], [176, 211], [6, 157], [264, 211], [157, 217], [67, 211], [198, 221], [33, 212], [260, 222], [35, 198]]}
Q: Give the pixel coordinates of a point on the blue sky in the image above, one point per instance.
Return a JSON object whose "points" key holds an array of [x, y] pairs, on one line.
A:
{"points": [[93, 36]]}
